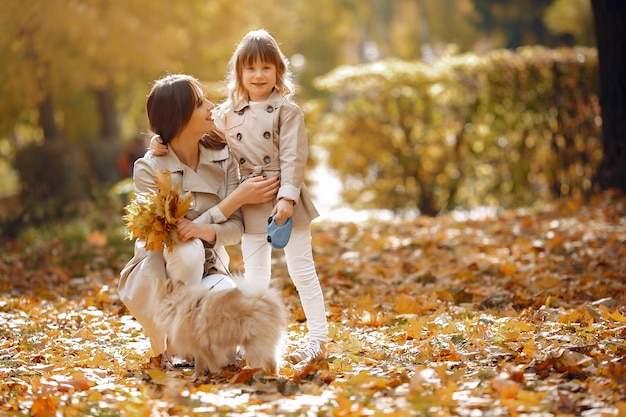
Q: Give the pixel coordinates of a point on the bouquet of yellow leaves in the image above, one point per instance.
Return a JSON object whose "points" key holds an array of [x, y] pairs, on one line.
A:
{"points": [[152, 216]]}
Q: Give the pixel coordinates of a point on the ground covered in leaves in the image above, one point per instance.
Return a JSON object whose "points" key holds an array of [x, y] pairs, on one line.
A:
{"points": [[520, 313]]}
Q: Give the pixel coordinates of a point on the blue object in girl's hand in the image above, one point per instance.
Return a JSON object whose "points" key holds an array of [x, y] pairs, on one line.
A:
{"points": [[278, 236]]}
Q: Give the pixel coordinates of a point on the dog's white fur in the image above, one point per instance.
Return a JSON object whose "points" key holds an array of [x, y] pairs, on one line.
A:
{"points": [[209, 325]]}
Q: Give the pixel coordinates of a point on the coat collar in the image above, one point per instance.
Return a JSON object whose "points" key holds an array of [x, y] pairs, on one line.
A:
{"points": [[209, 176], [275, 99]]}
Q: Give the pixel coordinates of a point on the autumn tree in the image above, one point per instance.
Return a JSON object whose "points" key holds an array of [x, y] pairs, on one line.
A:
{"points": [[515, 23], [610, 21], [571, 18], [499, 129], [75, 71], [75, 74]]}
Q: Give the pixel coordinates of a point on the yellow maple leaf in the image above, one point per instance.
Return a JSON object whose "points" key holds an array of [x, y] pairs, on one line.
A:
{"points": [[246, 376], [164, 181], [44, 406], [530, 348], [616, 316], [405, 304], [152, 216], [183, 204]]}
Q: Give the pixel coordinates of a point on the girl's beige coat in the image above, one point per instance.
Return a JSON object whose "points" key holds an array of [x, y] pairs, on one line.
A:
{"points": [[269, 138]]}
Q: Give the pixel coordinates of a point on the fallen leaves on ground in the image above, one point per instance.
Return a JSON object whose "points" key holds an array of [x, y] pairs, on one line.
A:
{"points": [[519, 313]]}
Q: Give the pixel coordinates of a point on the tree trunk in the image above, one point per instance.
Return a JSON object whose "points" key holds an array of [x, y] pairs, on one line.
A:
{"points": [[105, 151], [610, 21], [109, 127], [47, 121]]}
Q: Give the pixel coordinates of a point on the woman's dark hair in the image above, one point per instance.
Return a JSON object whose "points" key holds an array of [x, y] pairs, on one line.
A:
{"points": [[171, 102]]}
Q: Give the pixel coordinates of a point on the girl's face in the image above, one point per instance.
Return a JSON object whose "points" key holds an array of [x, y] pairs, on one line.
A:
{"points": [[201, 120], [259, 78]]}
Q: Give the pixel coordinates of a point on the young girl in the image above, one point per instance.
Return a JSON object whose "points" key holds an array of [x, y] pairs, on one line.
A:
{"points": [[265, 131], [199, 160]]}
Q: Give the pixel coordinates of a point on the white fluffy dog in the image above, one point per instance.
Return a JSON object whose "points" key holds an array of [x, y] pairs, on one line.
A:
{"points": [[209, 325]]}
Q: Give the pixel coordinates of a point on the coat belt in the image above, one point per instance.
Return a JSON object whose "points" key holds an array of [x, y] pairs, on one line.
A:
{"points": [[248, 170]]}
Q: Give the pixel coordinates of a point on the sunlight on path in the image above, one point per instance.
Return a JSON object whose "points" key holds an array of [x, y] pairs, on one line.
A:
{"points": [[326, 194]]}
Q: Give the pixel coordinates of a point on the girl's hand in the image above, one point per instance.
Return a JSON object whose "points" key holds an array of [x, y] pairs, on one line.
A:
{"points": [[283, 210], [157, 147]]}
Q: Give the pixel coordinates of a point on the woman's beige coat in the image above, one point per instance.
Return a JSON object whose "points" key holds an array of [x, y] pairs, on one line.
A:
{"points": [[269, 138], [215, 178]]}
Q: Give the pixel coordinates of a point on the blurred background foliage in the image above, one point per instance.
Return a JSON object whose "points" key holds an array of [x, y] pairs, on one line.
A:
{"points": [[419, 104], [503, 128]]}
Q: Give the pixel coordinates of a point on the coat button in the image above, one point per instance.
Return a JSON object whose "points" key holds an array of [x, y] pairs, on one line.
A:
{"points": [[269, 109], [267, 159], [266, 135], [239, 136], [240, 112], [242, 161]]}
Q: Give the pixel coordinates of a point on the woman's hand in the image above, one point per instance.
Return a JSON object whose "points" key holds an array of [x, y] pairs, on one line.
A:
{"points": [[258, 190], [157, 147], [283, 210], [251, 191], [188, 230]]}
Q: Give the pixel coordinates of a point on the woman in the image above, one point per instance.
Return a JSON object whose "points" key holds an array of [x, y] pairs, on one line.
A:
{"points": [[199, 160]]}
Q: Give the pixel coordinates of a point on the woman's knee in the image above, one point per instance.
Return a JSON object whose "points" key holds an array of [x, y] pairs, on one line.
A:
{"points": [[185, 262]]}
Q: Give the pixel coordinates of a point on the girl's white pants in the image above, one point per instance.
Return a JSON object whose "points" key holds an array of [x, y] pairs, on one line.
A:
{"points": [[257, 260]]}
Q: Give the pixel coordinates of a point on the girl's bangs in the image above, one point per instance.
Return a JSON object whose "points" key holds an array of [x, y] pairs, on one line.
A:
{"points": [[260, 49]]}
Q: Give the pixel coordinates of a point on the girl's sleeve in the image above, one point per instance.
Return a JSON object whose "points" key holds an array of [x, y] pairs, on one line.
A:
{"points": [[294, 151]]}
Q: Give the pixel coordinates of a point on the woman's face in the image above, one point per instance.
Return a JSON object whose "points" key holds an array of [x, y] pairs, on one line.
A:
{"points": [[201, 120]]}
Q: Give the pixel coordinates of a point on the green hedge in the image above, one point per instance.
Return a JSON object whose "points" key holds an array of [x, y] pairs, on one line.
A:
{"points": [[505, 128]]}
